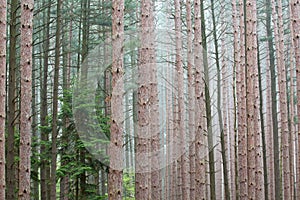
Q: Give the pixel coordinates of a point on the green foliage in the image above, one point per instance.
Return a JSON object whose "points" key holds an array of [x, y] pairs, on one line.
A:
{"points": [[128, 185]]}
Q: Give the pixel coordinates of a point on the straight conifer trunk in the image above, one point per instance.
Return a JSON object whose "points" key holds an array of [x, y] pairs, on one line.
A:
{"points": [[55, 102], [3, 7], [183, 161], [242, 120], [281, 71], [191, 100], [200, 122], [26, 95], [11, 112], [117, 118], [295, 20]]}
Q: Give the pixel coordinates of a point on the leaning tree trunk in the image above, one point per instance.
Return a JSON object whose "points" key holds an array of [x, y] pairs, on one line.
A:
{"points": [[116, 129], [3, 7], [25, 118]]}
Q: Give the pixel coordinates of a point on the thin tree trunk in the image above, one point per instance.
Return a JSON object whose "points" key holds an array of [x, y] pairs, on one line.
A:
{"points": [[276, 153], [262, 124], [292, 127], [269, 131], [44, 158], [220, 115], [284, 129], [262, 164], [26, 95], [3, 7], [242, 119], [295, 21], [11, 116], [55, 102], [233, 144], [116, 130], [191, 100], [210, 142]]}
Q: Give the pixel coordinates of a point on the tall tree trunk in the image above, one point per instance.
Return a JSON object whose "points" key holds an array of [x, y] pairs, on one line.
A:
{"points": [[55, 102], [191, 100], [269, 131], [262, 124], [281, 71], [26, 95], [146, 84], [34, 157], [183, 161], [236, 93], [44, 159], [220, 115], [255, 167], [11, 116], [117, 118], [295, 21], [276, 153], [242, 115], [210, 142], [200, 144], [291, 109], [3, 7]]}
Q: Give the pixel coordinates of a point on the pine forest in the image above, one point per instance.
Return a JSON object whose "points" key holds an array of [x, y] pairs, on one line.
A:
{"points": [[150, 99]]}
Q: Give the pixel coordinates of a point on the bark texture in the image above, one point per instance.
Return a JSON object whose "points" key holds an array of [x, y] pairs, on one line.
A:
{"points": [[117, 118], [200, 122], [26, 95], [3, 5]]}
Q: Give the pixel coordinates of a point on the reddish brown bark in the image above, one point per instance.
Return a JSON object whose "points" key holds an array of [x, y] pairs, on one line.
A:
{"points": [[183, 161], [26, 90], [200, 122], [233, 144], [147, 144], [191, 100], [284, 129], [117, 118], [255, 172], [269, 132], [242, 121], [295, 21], [3, 7]]}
